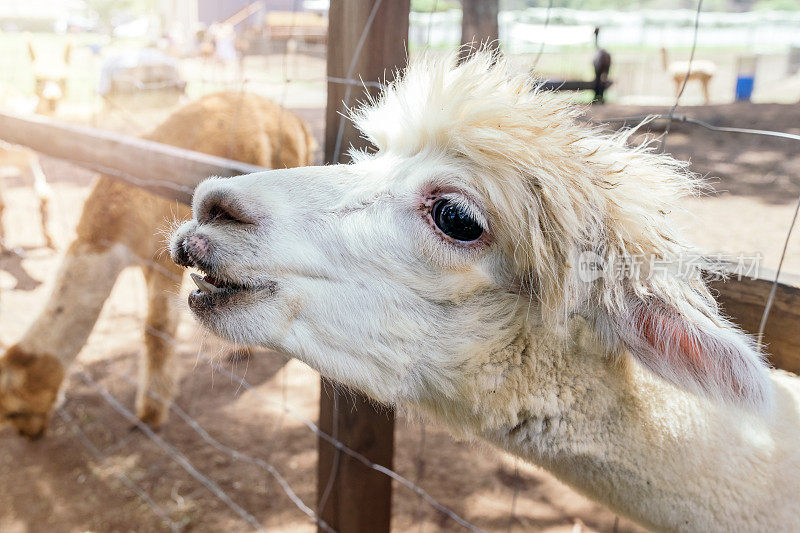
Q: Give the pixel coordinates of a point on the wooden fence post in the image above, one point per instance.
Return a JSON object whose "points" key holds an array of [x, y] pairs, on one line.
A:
{"points": [[479, 24], [357, 498]]}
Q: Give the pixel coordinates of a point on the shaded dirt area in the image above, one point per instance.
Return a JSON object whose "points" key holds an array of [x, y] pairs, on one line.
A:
{"points": [[754, 166], [56, 485]]}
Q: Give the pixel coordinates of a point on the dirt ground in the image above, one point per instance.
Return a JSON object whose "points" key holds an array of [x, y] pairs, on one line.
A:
{"points": [[55, 484]]}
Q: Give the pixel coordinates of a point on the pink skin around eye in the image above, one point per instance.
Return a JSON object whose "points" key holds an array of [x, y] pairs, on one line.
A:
{"points": [[428, 197]]}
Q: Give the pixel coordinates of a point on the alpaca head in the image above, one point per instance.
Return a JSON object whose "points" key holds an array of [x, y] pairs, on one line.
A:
{"points": [[28, 390], [467, 228], [50, 77]]}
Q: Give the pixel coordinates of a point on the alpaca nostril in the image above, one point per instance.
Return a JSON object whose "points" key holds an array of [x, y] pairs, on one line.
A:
{"points": [[219, 208], [218, 212], [180, 255]]}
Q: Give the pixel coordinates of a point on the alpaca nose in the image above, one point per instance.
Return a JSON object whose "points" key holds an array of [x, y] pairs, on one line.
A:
{"points": [[52, 91], [223, 206]]}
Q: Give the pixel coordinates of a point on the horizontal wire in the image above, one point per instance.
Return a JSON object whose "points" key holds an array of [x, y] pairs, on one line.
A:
{"points": [[322, 79], [689, 120], [124, 479], [174, 454], [359, 83]]}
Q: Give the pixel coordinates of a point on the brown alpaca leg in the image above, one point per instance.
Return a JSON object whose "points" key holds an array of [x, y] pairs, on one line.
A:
{"points": [[157, 372], [106, 242], [83, 283], [31, 371], [706, 97]]}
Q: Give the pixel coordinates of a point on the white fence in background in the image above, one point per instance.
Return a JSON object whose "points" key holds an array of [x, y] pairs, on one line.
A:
{"points": [[523, 31]]}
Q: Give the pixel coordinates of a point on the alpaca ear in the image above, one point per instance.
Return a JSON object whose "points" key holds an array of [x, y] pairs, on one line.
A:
{"points": [[695, 349]]}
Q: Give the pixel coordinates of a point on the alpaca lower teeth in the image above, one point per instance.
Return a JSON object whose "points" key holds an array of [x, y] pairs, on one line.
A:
{"points": [[203, 285]]}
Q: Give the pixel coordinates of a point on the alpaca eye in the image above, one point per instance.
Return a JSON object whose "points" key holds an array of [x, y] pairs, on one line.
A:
{"points": [[455, 221]]}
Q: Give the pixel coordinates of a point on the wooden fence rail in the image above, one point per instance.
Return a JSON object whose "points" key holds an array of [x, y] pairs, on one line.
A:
{"points": [[159, 168], [744, 300]]}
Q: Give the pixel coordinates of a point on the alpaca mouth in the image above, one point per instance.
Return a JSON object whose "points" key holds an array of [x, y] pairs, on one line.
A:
{"points": [[212, 285], [213, 291]]}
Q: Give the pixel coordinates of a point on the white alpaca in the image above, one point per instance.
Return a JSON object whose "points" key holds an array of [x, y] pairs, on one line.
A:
{"points": [[443, 273]]}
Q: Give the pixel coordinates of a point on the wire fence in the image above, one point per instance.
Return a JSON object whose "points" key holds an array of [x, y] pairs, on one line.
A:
{"points": [[84, 374]]}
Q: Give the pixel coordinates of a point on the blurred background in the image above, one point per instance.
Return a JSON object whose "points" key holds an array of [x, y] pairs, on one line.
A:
{"points": [[208, 45]]}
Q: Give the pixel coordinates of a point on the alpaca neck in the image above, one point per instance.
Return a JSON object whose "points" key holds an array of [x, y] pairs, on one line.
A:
{"points": [[84, 281], [660, 456]]}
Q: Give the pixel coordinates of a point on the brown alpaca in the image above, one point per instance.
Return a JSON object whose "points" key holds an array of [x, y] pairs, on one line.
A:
{"points": [[20, 160], [701, 70], [121, 226]]}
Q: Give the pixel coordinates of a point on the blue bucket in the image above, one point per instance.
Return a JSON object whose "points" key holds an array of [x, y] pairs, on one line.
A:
{"points": [[744, 88]]}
